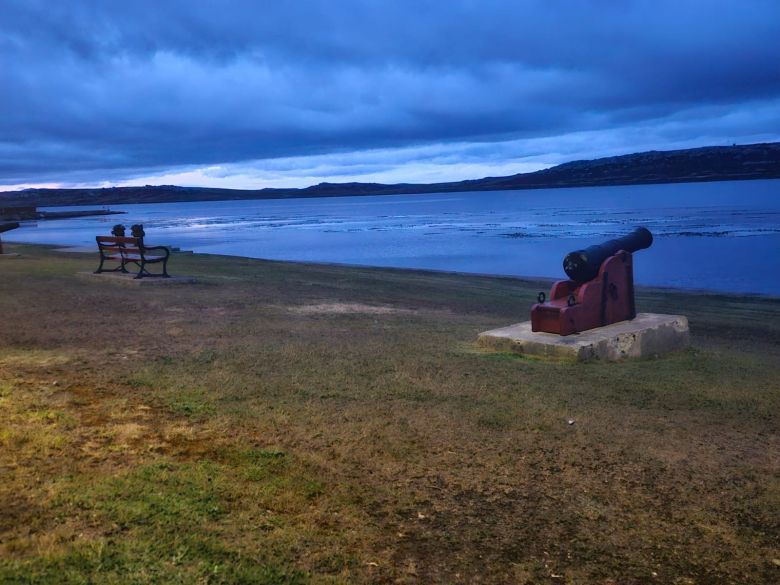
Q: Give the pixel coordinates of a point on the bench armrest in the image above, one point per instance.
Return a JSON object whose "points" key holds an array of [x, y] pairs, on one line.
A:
{"points": [[150, 248]]}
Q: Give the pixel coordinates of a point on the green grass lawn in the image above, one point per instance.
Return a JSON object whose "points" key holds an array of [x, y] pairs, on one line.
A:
{"points": [[291, 423]]}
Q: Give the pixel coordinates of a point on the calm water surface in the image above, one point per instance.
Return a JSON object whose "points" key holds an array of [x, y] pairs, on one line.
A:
{"points": [[720, 236]]}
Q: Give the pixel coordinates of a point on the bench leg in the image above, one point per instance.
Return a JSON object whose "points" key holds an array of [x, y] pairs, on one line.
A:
{"points": [[100, 268], [125, 263], [143, 272], [119, 268]]}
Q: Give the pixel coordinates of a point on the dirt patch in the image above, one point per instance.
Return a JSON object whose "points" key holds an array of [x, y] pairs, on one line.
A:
{"points": [[348, 308]]}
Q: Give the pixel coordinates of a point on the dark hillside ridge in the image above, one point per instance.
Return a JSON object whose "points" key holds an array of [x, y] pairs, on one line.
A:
{"points": [[712, 163]]}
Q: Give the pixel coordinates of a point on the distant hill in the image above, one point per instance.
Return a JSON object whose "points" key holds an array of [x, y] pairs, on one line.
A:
{"points": [[714, 163]]}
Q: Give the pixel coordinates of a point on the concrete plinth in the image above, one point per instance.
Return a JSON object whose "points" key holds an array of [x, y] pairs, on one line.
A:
{"points": [[129, 280], [647, 335]]}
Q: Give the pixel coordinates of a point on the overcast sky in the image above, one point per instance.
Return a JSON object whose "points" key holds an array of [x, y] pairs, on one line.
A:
{"points": [[252, 94]]}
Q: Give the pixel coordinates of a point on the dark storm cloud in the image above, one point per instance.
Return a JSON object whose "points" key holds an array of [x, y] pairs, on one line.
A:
{"points": [[109, 90]]}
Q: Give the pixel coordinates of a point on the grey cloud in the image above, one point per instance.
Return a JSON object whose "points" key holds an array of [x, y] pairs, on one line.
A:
{"points": [[115, 89]]}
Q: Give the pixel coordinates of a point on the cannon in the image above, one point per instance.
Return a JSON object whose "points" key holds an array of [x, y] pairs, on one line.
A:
{"points": [[7, 227], [600, 290]]}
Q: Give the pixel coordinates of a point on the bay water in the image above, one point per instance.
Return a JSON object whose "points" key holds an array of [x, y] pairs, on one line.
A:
{"points": [[720, 236]]}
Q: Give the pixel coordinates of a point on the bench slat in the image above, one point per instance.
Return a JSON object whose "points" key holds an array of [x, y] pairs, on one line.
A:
{"points": [[117, 240]]}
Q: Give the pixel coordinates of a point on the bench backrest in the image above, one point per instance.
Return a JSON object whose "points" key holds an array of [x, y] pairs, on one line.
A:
{"points": [[119, 245]]}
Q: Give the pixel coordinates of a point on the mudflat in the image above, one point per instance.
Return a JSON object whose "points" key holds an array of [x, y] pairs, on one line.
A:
{"points": [[289, 423]]}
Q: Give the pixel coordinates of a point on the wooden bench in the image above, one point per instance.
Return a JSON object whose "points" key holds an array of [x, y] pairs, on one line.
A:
{"points": [[125, 250]]}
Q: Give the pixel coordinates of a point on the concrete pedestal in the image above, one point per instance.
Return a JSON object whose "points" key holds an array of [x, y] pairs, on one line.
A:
{"points": [[646, 335], [129, 280]]}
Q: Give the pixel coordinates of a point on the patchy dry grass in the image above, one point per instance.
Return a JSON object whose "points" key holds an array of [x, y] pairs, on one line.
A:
{"points": [[283, 423]]}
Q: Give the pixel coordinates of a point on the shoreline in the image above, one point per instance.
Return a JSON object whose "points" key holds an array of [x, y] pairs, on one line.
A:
{"points": [[49, 215], [526, 279]]}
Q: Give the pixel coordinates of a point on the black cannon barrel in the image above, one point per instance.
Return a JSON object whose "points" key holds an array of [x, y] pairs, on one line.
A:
{"points": [[6, 227], [583, 265]]}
